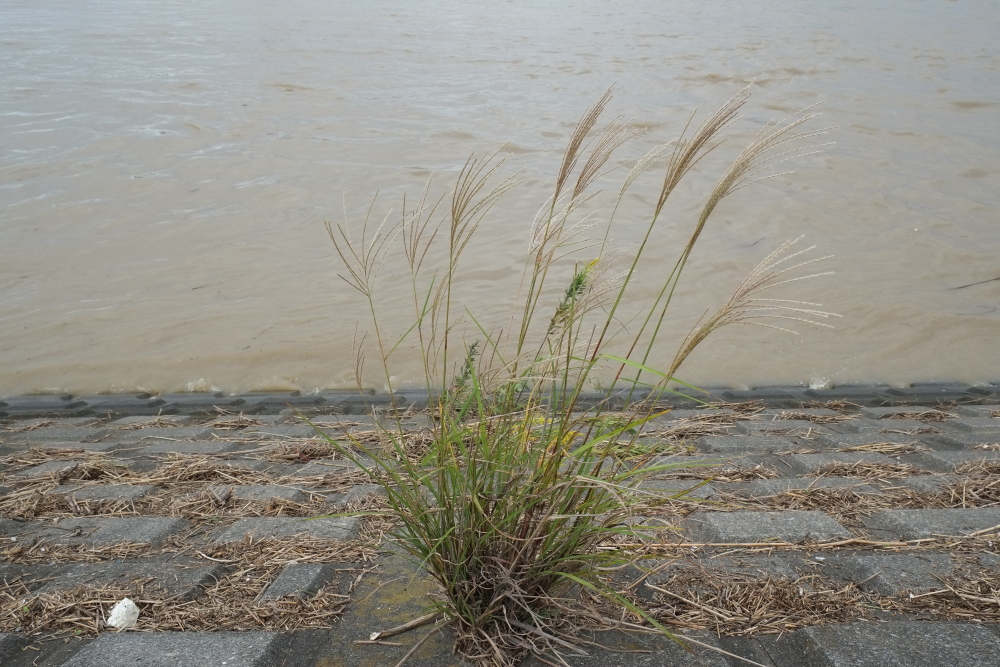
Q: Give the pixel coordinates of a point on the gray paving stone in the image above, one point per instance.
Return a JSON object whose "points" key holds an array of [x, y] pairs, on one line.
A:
{"points": [[631, 651], [785, 428], [918, 483], [981, 411], [10, 645], [292, 432], [948, 461], [183, 578], [975, 424], [197, 403], [931, 393], [134, 421], [49, 468], [680, 488], [361, 491], [262, 492], [105, 492], [841, 440], [103, 447], [743, 527], [103, 530], [744, 444], [300, 579], [197, 447], [323, 467], [892, 426], [334, 528], [163, 434], [33, 576], [664, 421], [811, 463], [42, 436], [278, 401], [43, 405], [130, 404], [770, 487], [857, 394], [224, 423], [889, 644], [177, 649], [891, 574], [971, 440], [889, 411], [918, 524], [790, 413], [755, 565], [22, 425]]}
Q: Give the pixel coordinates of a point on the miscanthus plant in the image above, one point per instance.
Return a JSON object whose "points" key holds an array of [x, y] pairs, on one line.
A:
{"points": [[519, 504]]}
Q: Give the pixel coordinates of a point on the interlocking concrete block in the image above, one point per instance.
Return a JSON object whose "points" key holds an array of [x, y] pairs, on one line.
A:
{"points": [[949, 461], [105, 492], [984, 440], [664, 421], [981, 411], [918, 483], [892, 411], [744, 527], [161, 447], [678, 488], [891, 574], [857, 394], [627, 650], [134, 422], [42, 437], [754, 565], [128, 404], [272, 402], [183, 578], [198, 403], [744, 444], [282, 432], [889, 644], [260, 493], [163, 434], [334, 528], [769, 487], [10, 645], [181, 649], [784, 414], [931, 393], [841, 440], [229, 424], [45, 405], [324, 467], [812, 463], [976, 424], [890, 426], [300, 579], [98, 531], [23, 425], [783, 428], [59, 468], [918, 524], [360, 492]]}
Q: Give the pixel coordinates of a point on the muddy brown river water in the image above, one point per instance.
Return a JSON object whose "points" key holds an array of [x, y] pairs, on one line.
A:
{"points": [[166, 168]]}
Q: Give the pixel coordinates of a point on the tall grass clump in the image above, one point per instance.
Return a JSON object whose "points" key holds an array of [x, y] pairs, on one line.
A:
{"points": [[522, 503]]}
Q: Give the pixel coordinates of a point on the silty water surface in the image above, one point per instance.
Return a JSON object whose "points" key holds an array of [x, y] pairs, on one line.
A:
{"points": [[167, 167]]}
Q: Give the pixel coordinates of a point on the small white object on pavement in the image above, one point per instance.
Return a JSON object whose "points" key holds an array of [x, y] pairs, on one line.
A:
{"points": [[123, 615]]}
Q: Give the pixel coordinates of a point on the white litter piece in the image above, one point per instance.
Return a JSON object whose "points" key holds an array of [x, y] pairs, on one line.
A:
{"points": [[123, 615]]}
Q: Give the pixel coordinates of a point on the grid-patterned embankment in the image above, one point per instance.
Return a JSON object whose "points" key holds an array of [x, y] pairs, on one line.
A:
{"points": [[855, 527]]}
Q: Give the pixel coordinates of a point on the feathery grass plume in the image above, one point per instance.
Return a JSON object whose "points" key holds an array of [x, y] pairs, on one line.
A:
{"points": [[520, 505]]}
